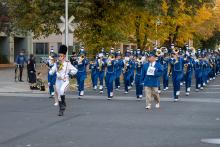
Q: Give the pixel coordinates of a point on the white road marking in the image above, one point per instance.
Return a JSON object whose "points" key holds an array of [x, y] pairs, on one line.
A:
{"points": [[211, 140]]}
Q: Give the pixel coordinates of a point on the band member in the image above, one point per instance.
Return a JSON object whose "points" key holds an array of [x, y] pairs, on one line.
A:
{"points": [[152, 71], [127, 73], [81, 74], [165, 63], [52, 79], [73, 59], [138, 80], [94, 74], [100, 63], [118, 70], [20, 61], [176, 64], [64, 69], [198, 72], [188, 71], [110, 75]]}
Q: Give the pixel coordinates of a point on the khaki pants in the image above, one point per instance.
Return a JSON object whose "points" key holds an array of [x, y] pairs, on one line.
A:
{"points": [[151, 93]]}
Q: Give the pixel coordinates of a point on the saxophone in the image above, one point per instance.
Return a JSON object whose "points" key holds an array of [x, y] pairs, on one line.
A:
{"points": [[100, 64], [59, 66]]}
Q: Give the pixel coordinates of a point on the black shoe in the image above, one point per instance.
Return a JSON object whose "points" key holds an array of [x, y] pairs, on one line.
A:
{"points": [[21, 81], [62, 108]]}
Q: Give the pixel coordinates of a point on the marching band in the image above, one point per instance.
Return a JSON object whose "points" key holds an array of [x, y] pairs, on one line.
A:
{"points": [[133, 67]]}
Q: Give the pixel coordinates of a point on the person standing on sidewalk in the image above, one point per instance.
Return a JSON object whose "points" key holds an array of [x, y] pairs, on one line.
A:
{"points": [[64, 69], [152, 71], [20, 61], [31, 71]]}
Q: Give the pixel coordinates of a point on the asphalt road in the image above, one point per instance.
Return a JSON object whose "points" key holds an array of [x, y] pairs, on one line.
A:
{"points": [[29, 119]]}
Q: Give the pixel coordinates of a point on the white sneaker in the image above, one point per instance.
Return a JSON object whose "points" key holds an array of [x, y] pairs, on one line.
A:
{"points": [[95, 87], [164, 89], [201, 88], [118, 87], [167, 88], [81, 93], [204, 84], [126, 92], [109, 98], [129, 87], [197, 90], [55, 104], [213, 78], [100, 87], [178, 93], [181, 84], [148, 107], [187, 93], [140, 96], [101, 92], [176, 100], [188, 89], [159, 91], [210, 79], [111, 94], [157, 105]]}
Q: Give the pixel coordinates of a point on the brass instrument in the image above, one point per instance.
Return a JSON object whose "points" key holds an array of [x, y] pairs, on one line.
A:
{"points": [[59, 65], [100, 64], [185, 67], [159, 52], [110, 59], [139, 61], [80, 59], [164, 50], [176, 50], [126, 64]]}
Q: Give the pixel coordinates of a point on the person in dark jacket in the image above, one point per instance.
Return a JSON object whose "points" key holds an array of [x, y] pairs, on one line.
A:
{"points": [[20, 61], [152, 71], [31, 71]]}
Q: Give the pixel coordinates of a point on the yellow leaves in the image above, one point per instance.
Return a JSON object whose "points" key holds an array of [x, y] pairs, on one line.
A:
{"points": [[164, 7]]}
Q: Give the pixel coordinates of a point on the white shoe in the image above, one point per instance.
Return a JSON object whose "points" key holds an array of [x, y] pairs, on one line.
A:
{"points": [[188, 89], [207, 81], [157, 105], [210, 79], [213, 78], [159, 91], [187, 93], [129, 87], [109, 98], [167, 88], [126, 92], [111, 94], [148, 107], [181, 84], [197, 90], [201, 88], [101, 92], [81, 93], [176, 100], [140, 96], [204, 84], [55, 104], [100, 87], [178, 93], [95, 87], [164, 89], [118, 87]]}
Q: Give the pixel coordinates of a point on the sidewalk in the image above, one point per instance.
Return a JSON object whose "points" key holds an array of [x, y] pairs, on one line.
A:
{"points": [[8, 84]]}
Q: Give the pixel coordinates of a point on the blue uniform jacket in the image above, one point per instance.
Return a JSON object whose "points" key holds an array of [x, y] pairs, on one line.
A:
{"points": [[152, 80]]}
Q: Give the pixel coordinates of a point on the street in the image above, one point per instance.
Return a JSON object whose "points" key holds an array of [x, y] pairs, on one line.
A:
{"points": [[30, 119]]}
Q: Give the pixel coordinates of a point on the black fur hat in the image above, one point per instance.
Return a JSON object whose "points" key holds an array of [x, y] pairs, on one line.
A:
{"points": [[63, 49]]}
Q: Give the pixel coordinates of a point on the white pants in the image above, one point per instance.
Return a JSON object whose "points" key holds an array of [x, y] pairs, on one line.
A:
{"points": [[61, 87]]}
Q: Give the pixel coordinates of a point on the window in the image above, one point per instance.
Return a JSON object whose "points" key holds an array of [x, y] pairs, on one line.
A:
{"points": [[41, 48]]}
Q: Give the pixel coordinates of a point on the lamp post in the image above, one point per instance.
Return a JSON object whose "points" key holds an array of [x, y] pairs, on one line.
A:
{"points": [[158, 22]]}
